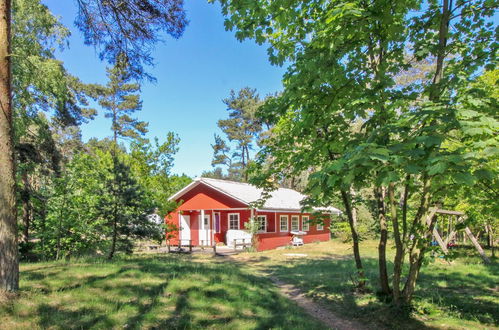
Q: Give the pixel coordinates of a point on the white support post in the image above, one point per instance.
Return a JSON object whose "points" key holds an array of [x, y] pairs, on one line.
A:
{"points": [[212, 227], [202, 225]]}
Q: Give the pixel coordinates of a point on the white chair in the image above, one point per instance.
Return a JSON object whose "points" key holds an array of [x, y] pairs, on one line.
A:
{"points": [[297, 241]]}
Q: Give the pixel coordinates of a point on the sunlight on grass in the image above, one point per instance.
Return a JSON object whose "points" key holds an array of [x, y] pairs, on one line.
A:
{"points": [[178, 292], [459, 294], [163, 291]]}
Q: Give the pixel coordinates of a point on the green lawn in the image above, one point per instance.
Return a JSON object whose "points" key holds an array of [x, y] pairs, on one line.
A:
{"points": [[461, 294], [148, 291], [183, 292]]}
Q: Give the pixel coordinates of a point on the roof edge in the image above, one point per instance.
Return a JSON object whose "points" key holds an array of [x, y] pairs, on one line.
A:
{"points": [[197, 182], [224, 192], [185, 190], [269, 209]]}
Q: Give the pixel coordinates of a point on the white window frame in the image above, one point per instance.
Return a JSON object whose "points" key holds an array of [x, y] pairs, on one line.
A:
{"points": [[320, 226], [305, 223], [264, 222], [297, 217], [238, 221], [282, 216]]}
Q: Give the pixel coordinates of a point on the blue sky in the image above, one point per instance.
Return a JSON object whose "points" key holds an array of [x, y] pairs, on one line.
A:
{"points": [[194, 74]]}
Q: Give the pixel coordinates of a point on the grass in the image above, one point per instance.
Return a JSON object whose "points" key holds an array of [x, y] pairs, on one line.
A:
{"points": [[147, 292], [459, 294], [193, 292]]}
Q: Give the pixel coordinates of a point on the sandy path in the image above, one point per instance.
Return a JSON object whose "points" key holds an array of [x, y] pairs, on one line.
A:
{"points": [[315, 309]]}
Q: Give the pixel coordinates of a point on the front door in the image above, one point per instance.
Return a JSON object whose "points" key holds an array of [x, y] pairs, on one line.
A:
{"points": [[205, 230], [185, 228]]}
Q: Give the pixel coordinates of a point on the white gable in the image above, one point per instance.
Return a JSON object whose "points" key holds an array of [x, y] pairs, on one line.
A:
{"points": [[281, 199]]}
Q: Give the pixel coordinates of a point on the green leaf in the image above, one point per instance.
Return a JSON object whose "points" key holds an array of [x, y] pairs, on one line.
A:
{"points": [[437, 168], [465, 178]]}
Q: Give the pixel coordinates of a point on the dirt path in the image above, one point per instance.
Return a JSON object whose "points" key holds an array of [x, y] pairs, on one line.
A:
{"points": [[314, 309]]}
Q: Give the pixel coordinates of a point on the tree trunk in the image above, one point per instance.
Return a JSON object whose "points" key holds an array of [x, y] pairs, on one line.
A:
{"points": [[115, 235], [26, 206], [59, 224], [43, 215], [415, 261], [115, 209], [383, 272], [435, 88], [9, 257], [422, 229], [399, 246], [491, 240], [488, 236], [352, 221], [243, 154]]}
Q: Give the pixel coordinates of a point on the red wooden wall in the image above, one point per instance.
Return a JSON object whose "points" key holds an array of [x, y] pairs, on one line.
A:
{"points": [[204, 197]]}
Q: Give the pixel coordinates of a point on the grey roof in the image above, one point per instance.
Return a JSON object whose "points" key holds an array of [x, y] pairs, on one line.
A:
{"points": [[281, 199]]}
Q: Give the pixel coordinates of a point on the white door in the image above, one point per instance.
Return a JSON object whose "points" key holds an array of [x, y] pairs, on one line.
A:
{"points": [[185, 228], [205, 230]]}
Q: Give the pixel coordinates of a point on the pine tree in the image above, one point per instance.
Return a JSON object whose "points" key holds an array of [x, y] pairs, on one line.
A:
{"points": [[241, 128], [104, 26], [121, 100]]}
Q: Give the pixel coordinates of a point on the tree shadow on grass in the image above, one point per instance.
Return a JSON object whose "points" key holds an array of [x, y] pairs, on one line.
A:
{"points": [[37, 277], [226, 298], [330, 280], [160, 292], [465, 294], [61, 318]]}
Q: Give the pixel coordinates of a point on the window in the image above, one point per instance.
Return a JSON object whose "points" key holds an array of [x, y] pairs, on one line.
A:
{"points": [[305, 225], [295, 223], [233, 220], [262, 223], [320, 226], [283, 223]]}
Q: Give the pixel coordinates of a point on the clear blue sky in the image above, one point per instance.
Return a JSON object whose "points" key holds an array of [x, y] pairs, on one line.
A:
{"points": [[194, 74]]}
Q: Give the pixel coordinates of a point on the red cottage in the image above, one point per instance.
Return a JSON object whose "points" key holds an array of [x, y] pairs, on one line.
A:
{"points": [[224, 207]]}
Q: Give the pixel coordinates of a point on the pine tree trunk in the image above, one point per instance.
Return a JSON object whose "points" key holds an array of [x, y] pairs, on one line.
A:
{"points": [[114, 154], [115, 235], [26, 206], [9, 257], [352, 221], [115, 210], [383, 273]]}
